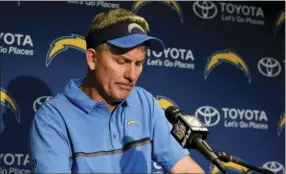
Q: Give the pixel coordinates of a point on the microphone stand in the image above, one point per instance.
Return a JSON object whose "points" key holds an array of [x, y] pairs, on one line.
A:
{"points": [[228, 158]]}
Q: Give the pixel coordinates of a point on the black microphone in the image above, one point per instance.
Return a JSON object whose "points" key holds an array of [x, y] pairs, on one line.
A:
{"points": [[228, 158], [190, 133]]}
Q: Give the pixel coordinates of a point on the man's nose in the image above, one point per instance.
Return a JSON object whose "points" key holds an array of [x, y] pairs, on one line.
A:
{"points": [[131, 74]]}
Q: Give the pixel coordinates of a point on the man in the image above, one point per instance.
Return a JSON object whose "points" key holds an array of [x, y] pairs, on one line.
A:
{"points": [[103, 123]]}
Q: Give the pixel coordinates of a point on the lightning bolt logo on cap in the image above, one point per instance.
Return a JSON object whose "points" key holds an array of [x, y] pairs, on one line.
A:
{"points": [[63, 43], [172, 4], [8, 101], [228, 56], [134, 25]]}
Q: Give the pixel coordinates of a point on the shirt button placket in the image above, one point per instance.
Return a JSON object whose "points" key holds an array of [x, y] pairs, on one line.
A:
{"points": [[112, 134]]}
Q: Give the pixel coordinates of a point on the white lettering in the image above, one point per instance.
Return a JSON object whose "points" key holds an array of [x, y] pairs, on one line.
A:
{"points": [[18, 36], [18, 156], [166, 52], [3, 49], [157, 54], [28, 40], [9, 159], [240, 19], [14, 159], [246, 11], [243, 124], [174, 53], [230, 124], [248, 115], [190, 55], [225, 112], [257, 125], [9, 39], [168, 63], [259, 12], [18, 39], [222, 4], [3, 171], [241, 9], [263, 116], [18, 171], [156, 62], [230, 8], [232, 113]]}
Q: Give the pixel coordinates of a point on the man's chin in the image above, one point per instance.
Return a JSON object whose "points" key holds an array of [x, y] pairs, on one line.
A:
{"points": [[120, 98]]}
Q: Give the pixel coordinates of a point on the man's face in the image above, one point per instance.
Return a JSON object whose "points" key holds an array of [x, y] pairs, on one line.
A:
{"points": [[117, 71]]}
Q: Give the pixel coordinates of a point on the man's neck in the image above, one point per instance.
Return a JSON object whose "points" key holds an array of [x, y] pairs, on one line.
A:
{"points": [[93, 94]]}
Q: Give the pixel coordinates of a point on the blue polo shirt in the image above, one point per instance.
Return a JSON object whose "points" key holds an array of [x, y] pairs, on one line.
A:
{"points": [[73, 133]]}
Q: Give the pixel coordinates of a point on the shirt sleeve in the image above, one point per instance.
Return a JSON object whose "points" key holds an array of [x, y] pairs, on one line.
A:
{"points": [[166, 150], [48, 144]]}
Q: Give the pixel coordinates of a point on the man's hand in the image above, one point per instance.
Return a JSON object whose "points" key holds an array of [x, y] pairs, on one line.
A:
{"points": [[186, 165]]}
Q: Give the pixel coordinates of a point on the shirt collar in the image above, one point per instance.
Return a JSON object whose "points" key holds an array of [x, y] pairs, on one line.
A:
{"points": [[80, 99]]}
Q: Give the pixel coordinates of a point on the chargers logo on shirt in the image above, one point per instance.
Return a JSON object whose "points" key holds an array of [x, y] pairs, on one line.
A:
{"points": [[63, 43], [228, 56], [132, 122], [281, 125], [280, 20], [165, 102], [172, 4], [231, 167], [8, 101]]}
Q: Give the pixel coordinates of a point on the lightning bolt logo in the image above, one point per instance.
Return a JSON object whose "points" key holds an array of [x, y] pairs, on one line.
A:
{"points": [[280, 20], [63, 43], [172, 4], [134, 25], [8, 101], [226, 56], [132, 122], [281, 125], [165, 102]]}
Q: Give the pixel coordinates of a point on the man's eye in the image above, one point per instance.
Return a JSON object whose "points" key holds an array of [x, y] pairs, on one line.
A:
{"points": [[139, 63], [120, 61]]}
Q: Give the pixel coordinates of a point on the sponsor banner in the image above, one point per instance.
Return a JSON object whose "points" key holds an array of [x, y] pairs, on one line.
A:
{"points": [[16, 44], [229, 12], [100, 3], [233, 117], [172, 58], [14, 163], [274, 166], [269, 67]]}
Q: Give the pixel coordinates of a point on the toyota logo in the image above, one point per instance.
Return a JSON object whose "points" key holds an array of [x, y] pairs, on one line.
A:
{"points": [[39, 101], [274, 166], [205, 9], [210, 116], [269, 67]]}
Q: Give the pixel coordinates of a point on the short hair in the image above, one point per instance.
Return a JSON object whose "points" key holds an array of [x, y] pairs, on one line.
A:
{"points": [[114, 16]]}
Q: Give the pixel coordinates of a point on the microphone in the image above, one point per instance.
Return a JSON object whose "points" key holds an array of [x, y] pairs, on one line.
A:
{"points": [[228, 158], [190, 133]]}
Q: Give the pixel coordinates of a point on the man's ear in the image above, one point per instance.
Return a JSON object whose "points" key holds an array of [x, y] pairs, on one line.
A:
{"points": [[91, 58]]}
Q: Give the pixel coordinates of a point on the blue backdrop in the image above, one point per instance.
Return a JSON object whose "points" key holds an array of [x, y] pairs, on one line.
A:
{"points": [[224, 62]]}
